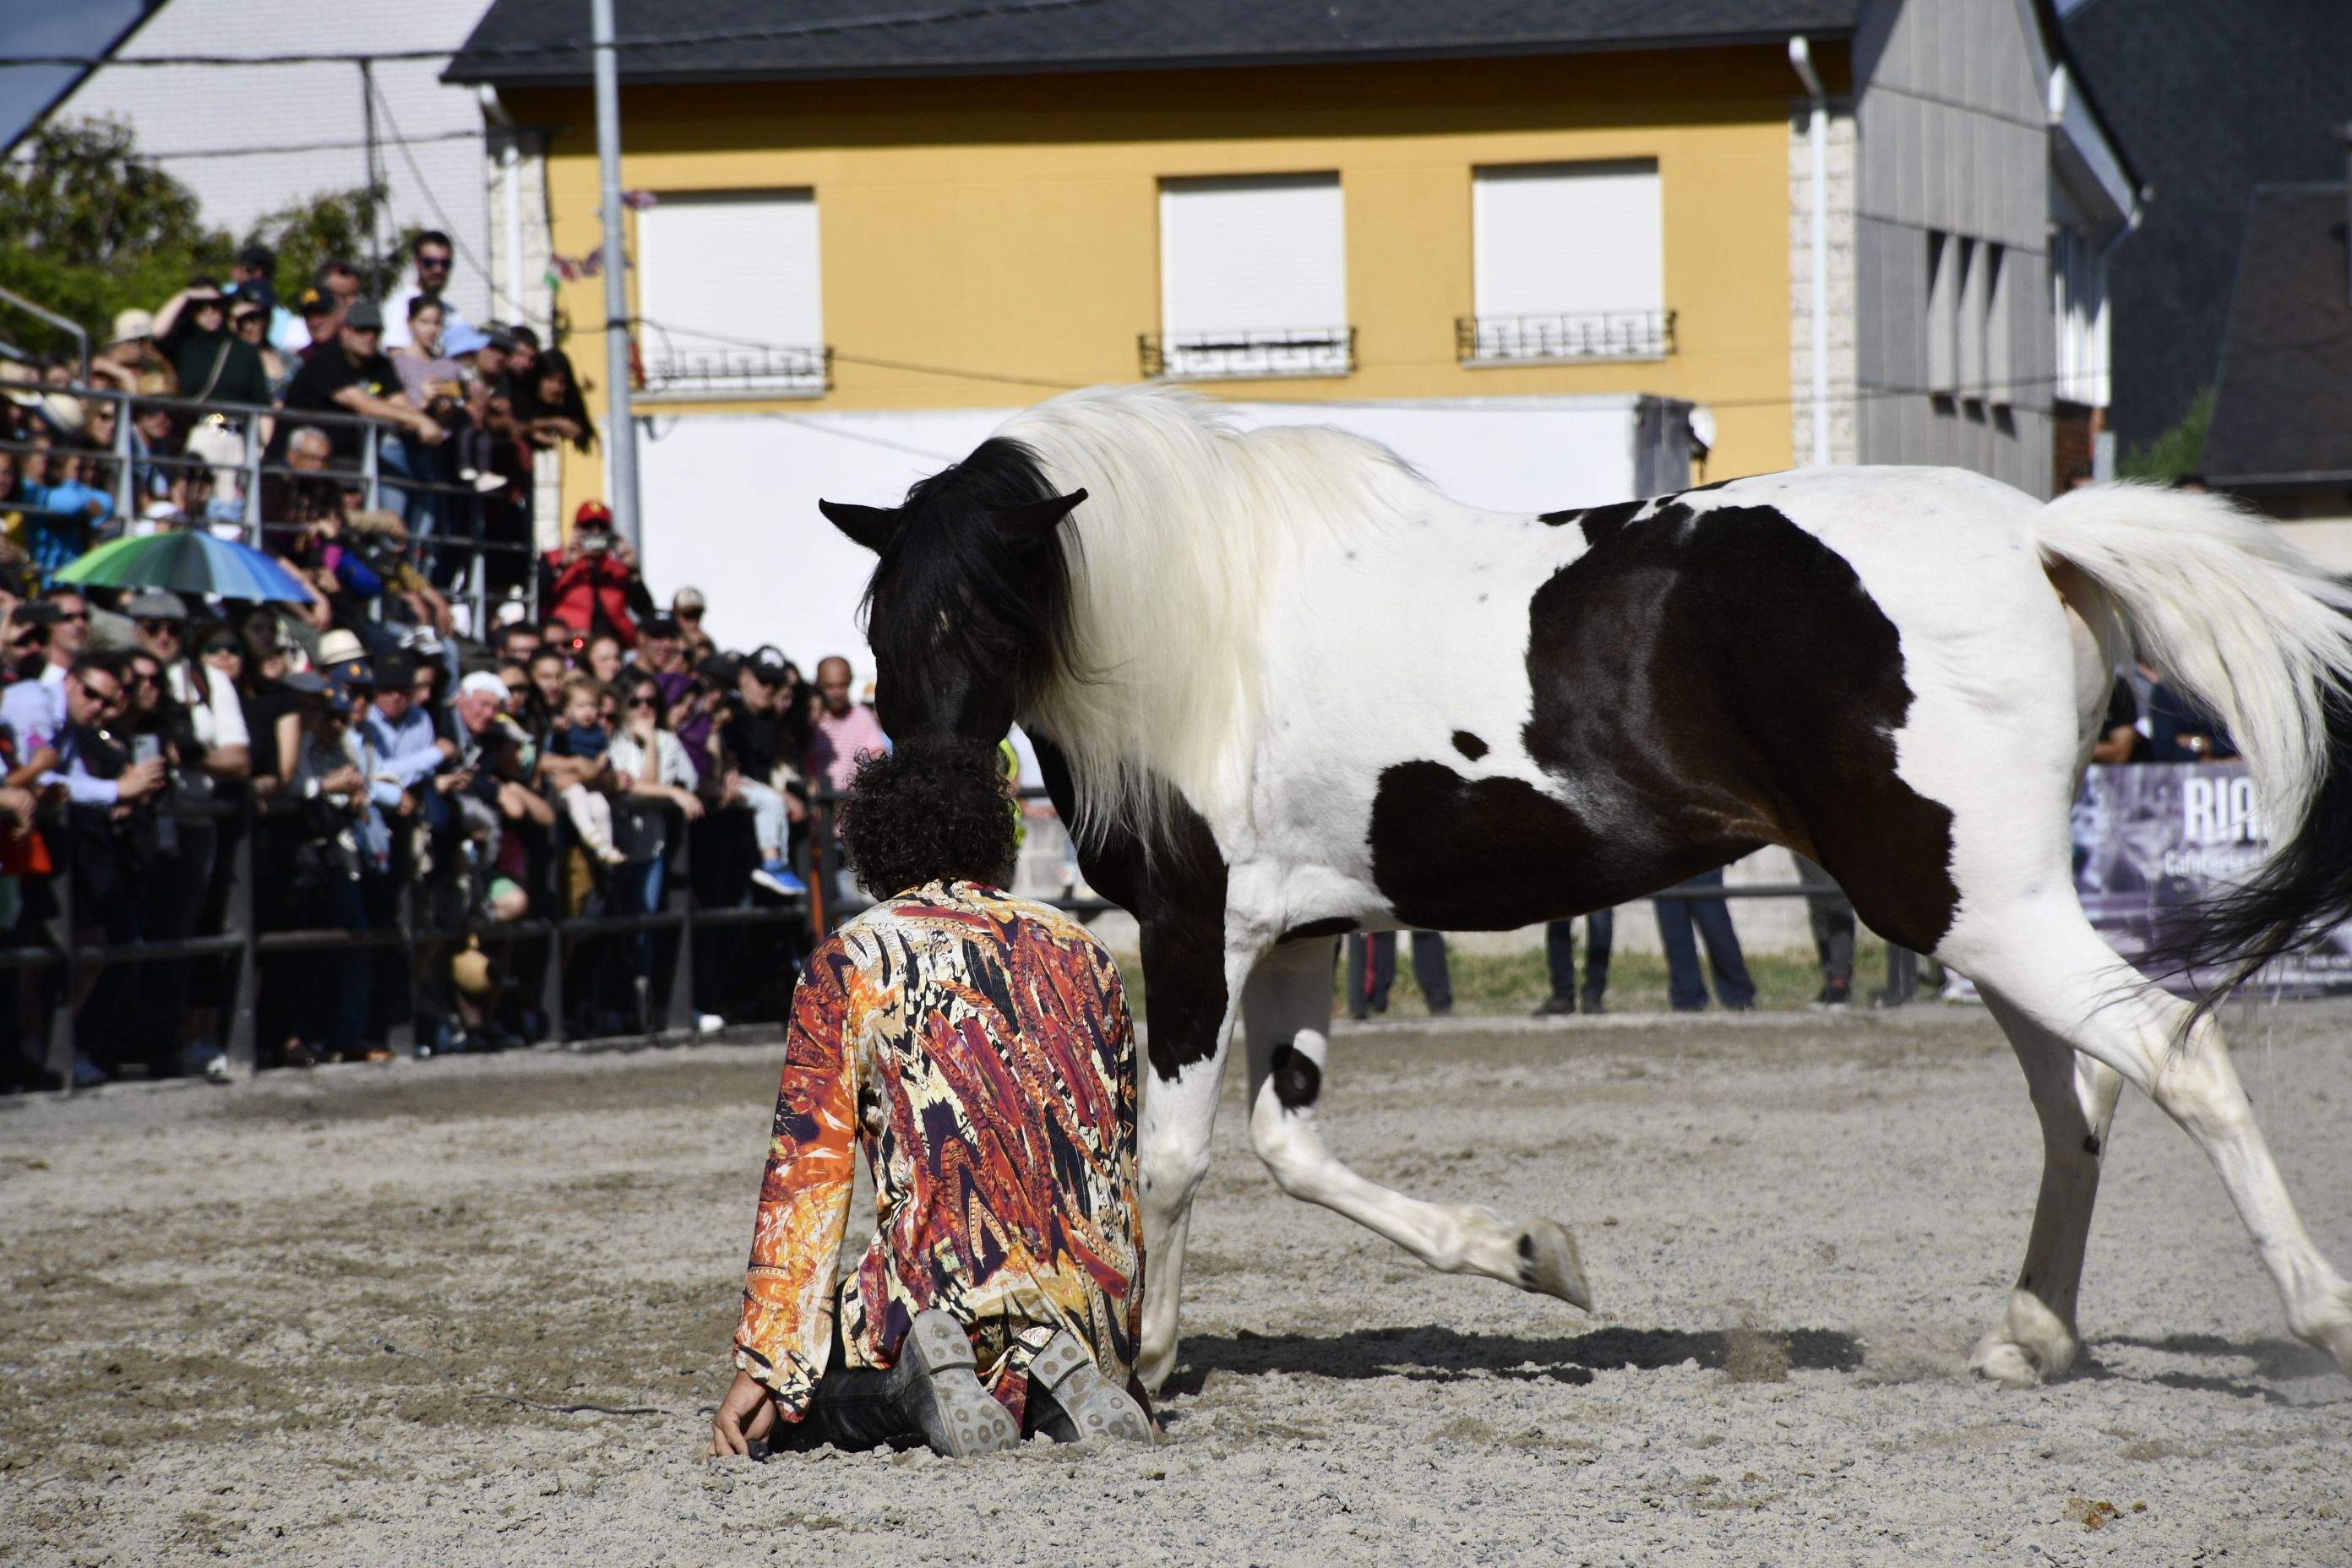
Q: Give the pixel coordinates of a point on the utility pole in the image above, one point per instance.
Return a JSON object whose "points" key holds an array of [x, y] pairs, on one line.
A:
{"points": [[621, 428], [376, 190]]}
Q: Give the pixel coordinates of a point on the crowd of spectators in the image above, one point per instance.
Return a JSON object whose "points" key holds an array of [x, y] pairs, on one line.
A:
{"points": [[432, 787], [448, 735], [467, 414]]}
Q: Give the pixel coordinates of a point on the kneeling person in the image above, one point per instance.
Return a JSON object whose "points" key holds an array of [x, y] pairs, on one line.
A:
{"points": [[977, 1048]]}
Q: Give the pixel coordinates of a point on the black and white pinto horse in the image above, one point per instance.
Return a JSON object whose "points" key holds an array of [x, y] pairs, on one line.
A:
{"points": [[1895, 671]]}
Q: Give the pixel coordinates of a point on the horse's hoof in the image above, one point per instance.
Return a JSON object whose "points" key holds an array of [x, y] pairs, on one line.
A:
{"points": [[1550, 1265], [2031, 1346]]}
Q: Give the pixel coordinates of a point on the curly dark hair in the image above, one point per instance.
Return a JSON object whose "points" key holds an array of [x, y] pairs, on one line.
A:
{"points": [[931, 810]]}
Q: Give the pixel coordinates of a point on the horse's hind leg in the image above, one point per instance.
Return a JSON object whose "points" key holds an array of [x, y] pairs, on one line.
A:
{"points": [[2075, 1098], [1287, 1019], [2049, 964]]}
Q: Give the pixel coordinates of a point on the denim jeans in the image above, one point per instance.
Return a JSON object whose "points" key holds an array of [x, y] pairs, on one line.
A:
{"points": [[1712, 917], [1560, 952]]}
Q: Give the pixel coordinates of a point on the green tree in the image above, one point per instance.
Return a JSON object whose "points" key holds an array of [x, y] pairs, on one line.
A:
{"points": [[92, 231], [2178, 452]]}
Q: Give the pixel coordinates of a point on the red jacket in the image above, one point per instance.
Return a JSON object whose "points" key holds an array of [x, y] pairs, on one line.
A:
{"points": [[593, 593]]}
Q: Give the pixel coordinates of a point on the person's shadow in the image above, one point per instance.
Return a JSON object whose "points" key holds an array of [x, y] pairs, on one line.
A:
{"points": [[1434, 1354]]}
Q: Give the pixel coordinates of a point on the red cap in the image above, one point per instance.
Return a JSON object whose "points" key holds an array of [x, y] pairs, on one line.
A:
{"points": [[592, 511]]}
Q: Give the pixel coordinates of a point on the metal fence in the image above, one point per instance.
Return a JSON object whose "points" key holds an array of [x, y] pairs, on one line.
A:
{"points": [[459, 509], [667, 995]]}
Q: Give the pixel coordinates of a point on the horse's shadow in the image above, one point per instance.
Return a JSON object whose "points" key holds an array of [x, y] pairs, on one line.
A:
{"points": [[2275, 1361], [1436, 1353]]}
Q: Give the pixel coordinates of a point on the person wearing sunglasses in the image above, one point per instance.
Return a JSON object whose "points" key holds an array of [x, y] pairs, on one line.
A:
{"points": [[95, 768], [432, 258], [35, 708]]}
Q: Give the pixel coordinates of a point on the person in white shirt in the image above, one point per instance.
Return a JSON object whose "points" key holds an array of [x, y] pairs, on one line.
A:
{"points": [[429, 261]]}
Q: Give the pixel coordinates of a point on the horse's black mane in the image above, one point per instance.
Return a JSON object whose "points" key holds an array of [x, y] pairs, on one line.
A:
{"points": [[1006, 608]]}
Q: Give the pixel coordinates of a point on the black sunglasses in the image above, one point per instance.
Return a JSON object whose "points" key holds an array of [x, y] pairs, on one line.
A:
{"points": [[171, 627], [440, 261], [643, 702]]}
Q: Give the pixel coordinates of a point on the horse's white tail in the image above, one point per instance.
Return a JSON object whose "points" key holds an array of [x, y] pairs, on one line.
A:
{"points": [[2262, 638]]}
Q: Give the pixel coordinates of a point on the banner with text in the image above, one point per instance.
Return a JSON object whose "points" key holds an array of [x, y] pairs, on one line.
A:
{"points": [[2152, 839]]}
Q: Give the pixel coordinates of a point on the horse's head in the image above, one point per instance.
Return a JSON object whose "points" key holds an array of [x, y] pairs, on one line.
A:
{"points": [[969, 607]]}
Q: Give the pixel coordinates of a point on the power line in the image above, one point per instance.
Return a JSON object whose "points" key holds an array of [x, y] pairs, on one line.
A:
{"points": [[981, 10], [448, 226], [146, 157]]}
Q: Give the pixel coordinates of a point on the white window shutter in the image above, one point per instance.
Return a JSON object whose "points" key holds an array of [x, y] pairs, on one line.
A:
{"points": [[1254, 275], [729, 294], [1553, 239]]}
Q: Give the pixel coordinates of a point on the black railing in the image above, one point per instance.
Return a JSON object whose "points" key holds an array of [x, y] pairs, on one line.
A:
{"points": [[729, 372], [1247, 354], [1586, 334], [667, 1000], [456, 551]]}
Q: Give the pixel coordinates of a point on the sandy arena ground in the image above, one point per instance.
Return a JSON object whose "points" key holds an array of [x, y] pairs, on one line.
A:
{"points": [[294, 1322]]}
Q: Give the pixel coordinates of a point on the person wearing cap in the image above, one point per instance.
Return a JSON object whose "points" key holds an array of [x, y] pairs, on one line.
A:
{"points": [[591, 584], [352, 377], [160, 621], [321, 315], [129, 360], [210, 363], [258, 265], [686, 607], [408, 746], [249, 311]]}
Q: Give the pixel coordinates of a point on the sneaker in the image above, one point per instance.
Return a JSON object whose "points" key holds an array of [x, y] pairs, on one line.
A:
{"points": [[708, 1023], [87, 1074], [957, 1416], [1594, 1004], [217, 1067], [777, 877], [1556, 1007], [1835, 993], [1096, 1408]]}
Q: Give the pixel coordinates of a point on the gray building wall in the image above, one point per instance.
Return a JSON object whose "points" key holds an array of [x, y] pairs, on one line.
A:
{"points": [[1951, 111]]}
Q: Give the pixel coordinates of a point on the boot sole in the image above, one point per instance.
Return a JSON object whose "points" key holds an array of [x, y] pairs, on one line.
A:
{"points": [[1097, 1408], [959, 1417]]}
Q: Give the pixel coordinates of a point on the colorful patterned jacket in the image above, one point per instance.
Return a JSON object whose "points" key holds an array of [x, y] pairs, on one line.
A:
{"points": [[977, 1049]]}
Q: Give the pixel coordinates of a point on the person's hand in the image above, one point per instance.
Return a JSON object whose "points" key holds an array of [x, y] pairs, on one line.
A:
{"points": [[16, 805], [429, 432], [731, 789], [690, 805], [747, 1414], [140, 779], [455, 780], [795, 809], [407, 806]]}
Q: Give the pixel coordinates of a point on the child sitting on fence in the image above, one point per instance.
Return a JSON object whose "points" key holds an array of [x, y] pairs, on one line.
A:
{"points": [[583, 736]]}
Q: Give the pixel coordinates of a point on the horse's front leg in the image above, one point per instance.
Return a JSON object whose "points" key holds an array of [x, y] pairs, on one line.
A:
{"points": [[1286, 1013], [1193, 987]]}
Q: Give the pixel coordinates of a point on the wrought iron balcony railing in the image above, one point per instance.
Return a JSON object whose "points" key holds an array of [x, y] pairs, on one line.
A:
{"points": [[1589, 334], [739, 372], [1246, 354]]}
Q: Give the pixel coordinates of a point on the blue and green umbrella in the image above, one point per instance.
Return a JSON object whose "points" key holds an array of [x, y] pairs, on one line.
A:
{"points": [[186, 561]]}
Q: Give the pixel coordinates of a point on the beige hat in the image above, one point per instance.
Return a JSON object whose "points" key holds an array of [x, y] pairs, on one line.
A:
{"points": [[129, 326], [689, 599], [339, 647]]}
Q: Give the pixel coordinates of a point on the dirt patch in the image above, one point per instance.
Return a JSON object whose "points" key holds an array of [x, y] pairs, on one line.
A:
{"points": [[388, 1316]]}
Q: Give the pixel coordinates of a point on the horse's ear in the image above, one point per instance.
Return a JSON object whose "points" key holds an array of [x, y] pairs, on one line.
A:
{"points": [[868, 525], [1027, 527]]}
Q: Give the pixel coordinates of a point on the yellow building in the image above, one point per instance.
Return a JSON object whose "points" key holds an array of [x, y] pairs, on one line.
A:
{"points": [[968, 216]]}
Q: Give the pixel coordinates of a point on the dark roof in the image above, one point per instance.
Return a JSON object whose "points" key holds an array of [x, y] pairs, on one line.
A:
{"points": [[543, 42], [2283, 407], [2211, 100]]}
